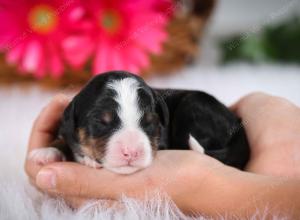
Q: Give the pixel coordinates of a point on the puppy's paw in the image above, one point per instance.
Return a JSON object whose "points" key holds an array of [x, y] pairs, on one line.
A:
{"points": [[47, 155], [195, 145], [85, 160]]}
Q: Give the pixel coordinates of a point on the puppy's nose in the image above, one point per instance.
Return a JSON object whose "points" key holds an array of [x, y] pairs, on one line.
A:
{"points": [[129, 154]]}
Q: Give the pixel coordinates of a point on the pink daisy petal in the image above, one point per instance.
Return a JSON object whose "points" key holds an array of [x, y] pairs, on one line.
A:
{"points": [[149, 20], [117, 59], [76, 13], [101, 61], [139, 56], [133, 69], [41, 71], [148, 44], [14, 55], [55, 63], [32, 56], [77, 49]]}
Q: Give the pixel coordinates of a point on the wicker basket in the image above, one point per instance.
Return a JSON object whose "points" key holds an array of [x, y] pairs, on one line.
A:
{"points": [[185, 31]]}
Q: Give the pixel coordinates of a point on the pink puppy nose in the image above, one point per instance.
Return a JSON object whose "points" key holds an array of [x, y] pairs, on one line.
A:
{"points": [[131, 154]]}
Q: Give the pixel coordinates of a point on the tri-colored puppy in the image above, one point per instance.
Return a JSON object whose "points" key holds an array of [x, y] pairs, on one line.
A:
{"points": [[118, 122]]}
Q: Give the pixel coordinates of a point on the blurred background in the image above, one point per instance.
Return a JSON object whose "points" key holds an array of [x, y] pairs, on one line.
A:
{"points": [[227, 48]]}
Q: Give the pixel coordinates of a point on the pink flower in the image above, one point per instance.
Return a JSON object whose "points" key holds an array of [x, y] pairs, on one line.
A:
{"points": [[31, 34], [123, 32], [39, 36]]}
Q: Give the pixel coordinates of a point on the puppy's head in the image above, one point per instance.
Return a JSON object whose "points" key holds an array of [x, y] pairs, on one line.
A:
{"points": [[116, 121]]}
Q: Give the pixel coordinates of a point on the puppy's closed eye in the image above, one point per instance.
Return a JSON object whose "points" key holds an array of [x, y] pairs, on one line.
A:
{"points": [[106, 118], [149, 118], [101, 118]]}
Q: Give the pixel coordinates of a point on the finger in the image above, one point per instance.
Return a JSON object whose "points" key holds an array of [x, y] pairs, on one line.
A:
{"points": [[63, 178], [234, 106], [43, 130], [32, 168], [73, 202], [262, 113], [76, 180], [242, 104], [45, 125], [253, 100]]}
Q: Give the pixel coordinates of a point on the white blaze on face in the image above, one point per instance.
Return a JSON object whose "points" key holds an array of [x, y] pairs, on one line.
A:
{"points": [[129, 148]]}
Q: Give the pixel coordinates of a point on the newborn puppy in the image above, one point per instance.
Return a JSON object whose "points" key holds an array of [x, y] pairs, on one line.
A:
{"points": [[118, 122]]}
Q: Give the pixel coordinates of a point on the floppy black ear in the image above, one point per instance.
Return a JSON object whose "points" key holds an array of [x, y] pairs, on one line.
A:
{"points": [[67, 129], [161, 109]]}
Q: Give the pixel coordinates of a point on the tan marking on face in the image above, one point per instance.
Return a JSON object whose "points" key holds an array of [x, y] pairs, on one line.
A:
{"points": [[92, 147]]}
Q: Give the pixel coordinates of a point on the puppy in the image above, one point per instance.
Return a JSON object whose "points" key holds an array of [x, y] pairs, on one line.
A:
{"points": [[118, 122]]}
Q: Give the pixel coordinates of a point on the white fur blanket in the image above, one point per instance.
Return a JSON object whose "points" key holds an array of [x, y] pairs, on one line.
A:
{"points": [[18, 108]]}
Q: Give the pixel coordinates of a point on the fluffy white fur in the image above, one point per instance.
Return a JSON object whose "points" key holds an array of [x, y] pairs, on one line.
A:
{"points": [[127, 98], [19, 107]]}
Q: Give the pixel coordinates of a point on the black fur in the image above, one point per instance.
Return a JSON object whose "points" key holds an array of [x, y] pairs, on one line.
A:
{"points": [[209, 121]]}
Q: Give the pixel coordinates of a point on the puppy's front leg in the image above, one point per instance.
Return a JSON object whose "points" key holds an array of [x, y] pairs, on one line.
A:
{"points": [[195, 145]]}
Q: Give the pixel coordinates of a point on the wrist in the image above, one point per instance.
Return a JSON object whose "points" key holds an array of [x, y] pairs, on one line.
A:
{"points": [[211, 189], [218, 192], [241, 194], [281, 161]]}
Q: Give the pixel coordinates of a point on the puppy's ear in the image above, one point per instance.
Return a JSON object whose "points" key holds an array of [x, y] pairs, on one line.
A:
{"points": [[67, 129], [161, 109]]}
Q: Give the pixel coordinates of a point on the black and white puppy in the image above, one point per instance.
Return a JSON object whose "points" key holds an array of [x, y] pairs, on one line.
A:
{"points": [[118, 122]]}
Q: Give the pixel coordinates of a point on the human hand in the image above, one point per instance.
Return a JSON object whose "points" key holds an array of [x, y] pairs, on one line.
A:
{"points": [[44, 131], [193, 181], [178, 173], [272, 125]]}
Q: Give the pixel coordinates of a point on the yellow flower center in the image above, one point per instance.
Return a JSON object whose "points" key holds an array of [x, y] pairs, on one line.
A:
{"points": [[110, 21], [42, 19]]}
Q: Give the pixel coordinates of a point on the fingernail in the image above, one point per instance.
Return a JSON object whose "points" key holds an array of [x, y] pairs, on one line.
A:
{"points": [[46, 179]]}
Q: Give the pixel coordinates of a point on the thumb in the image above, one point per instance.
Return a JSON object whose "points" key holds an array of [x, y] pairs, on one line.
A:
{"points": [[76, 180]]}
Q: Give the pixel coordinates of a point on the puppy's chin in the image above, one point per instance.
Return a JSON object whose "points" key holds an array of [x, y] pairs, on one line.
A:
{"points": [[124, 169]]}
